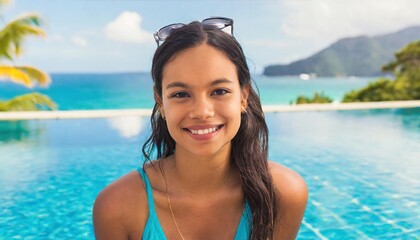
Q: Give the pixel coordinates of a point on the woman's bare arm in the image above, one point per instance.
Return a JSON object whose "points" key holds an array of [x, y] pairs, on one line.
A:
{"points": [[292, 199], [120, 210], [107, 217]]}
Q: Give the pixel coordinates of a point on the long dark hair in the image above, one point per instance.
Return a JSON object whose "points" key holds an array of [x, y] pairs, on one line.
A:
{"points": [[249, 146]]}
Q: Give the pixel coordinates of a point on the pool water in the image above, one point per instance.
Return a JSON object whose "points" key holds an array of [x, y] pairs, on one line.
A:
{"points": [[361, 167]]}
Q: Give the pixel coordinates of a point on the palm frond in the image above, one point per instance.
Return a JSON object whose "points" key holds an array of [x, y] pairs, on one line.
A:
{"points": [[13, 34], [25, 75], [28, 102], [36, 75]]}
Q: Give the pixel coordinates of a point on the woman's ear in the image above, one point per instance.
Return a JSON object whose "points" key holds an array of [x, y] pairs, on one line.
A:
{"points": [[245, 94], [158, 100]]}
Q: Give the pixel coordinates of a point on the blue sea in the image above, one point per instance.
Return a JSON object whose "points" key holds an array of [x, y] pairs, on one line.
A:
{"points": [[361, 167], [134, 90]]}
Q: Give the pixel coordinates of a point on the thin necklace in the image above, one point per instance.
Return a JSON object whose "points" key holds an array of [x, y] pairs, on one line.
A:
{"points": [[170, 207]]}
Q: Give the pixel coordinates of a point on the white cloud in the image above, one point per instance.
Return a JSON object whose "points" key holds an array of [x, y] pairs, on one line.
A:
{"points": [[78, 40], [127, 28], [333, 19]]}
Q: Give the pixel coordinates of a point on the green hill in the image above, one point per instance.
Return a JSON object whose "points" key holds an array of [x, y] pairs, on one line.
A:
{"points": [[355, 56]]}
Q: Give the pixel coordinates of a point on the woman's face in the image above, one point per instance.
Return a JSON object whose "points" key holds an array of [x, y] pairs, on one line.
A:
{"points": [[202, 101]]}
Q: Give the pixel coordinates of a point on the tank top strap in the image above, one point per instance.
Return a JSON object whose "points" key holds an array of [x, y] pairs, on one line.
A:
{"points": [[149, 193], [245, 225], [152, 229]]}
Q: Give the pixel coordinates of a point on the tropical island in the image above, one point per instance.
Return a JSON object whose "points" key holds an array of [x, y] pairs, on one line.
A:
{"points": [[406, 85], [354, 56]]}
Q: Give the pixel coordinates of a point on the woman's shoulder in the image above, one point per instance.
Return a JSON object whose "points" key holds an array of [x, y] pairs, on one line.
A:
{"points": [[121, 207], [122, 190], [287, 181], [292, 198]]}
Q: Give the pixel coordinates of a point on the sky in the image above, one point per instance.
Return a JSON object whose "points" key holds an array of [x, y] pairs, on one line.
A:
{"points": [[90, 36]]}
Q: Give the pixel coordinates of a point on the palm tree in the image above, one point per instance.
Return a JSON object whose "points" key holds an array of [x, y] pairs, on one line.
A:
{"points": [[11, 39]]}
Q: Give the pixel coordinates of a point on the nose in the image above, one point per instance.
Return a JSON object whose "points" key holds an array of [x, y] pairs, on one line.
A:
{"points": [[201, 109]]}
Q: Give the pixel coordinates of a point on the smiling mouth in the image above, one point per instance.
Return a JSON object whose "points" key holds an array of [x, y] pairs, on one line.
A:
{"points": [[204, 130]]}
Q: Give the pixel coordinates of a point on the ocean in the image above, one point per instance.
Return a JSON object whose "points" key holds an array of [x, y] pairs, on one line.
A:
{"points": [[134, 90]]}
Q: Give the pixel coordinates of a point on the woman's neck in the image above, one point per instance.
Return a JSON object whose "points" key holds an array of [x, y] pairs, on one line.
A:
{"points": [[196, 174]]}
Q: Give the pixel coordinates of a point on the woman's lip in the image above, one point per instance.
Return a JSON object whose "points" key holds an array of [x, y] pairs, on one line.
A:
{"points": [[202, 135], [202, 127]]}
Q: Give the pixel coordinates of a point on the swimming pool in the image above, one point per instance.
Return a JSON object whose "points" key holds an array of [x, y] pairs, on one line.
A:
{"points": [[361, 168]]}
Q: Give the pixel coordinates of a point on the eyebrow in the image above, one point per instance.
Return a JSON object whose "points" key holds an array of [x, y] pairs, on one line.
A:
{"points": [[183, 85], [176, 84]]}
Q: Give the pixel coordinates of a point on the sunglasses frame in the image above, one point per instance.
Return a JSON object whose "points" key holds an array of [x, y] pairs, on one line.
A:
{"points": [[167, 30]]}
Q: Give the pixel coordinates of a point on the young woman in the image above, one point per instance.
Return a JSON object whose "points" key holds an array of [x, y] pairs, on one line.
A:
{"points": [[211, 179]]}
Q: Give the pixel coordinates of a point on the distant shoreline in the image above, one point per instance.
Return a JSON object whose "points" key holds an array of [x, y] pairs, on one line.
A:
{"points": [[78, 114]]}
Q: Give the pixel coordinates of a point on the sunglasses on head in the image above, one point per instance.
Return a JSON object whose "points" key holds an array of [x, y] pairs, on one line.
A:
{"points": [[218, 22]]}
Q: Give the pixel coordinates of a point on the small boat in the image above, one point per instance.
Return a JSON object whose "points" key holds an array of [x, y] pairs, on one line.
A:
{"points": [[304, 76]]}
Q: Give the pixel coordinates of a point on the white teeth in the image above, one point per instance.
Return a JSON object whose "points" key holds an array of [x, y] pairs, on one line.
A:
{"points": [[203, 131]]}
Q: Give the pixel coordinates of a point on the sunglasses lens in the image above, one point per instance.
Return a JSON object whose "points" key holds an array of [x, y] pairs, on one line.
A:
{"points": [[166, 31], [218, 22]]}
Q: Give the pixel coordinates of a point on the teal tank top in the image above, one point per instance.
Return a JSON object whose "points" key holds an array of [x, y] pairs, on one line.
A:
{"points": [[153, 230]]}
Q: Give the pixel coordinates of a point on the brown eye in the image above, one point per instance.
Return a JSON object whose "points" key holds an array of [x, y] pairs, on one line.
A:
{"points": [[180, 95], [220, 92]]}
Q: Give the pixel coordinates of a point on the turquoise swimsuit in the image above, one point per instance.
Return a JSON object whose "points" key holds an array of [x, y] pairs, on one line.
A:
{"points": [[153, 230]]}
